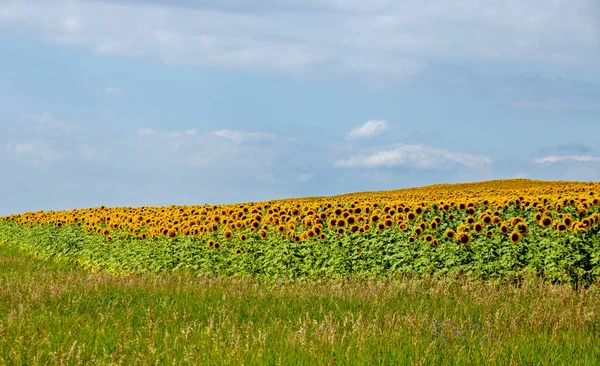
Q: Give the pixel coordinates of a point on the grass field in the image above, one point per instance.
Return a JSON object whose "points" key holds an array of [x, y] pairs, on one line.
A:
{"points": [[54, 313]]}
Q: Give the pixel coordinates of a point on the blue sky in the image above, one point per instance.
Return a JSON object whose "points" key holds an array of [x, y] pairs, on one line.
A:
{"points": [[156, 102]]}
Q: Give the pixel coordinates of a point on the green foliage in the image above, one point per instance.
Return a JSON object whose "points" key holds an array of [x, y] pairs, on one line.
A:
{"points": [[566, 257]]}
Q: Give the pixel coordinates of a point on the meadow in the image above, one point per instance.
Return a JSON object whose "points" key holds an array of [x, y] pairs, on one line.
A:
{"points": [[498, 272]]}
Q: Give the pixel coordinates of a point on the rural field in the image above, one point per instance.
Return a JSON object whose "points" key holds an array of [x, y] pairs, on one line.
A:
{"points": [[497, 272]]}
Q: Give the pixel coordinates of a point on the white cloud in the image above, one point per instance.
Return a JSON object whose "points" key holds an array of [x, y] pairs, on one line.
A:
{"points": [[369, 129], [413, 156], [21, 147], [239, 137], [112, 90], [219, 153], [305, 177], [38, 151], [385, 39], [46, 123], [551, 159]]}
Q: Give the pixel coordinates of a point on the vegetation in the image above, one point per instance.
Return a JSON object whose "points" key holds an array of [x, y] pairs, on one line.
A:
{"points": [[53, 313], [501, 272], [498, 230]]}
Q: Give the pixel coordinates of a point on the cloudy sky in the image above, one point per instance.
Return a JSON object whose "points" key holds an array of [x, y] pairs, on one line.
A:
{"points": [[158, 102]]}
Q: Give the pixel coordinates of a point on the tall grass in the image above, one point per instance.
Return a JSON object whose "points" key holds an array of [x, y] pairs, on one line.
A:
{"points": [[54, 313]]}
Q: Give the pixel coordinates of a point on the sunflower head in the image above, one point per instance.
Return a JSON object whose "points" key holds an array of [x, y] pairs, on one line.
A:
{"points": [[450, 234], [546, 221], [464, 238], [515, 237]]}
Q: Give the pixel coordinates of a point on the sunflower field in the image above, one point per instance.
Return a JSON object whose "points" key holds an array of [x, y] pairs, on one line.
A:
{"points": [[502, 230]]}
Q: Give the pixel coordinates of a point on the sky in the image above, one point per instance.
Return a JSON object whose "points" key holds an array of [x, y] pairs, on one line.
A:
{"points": [[160, 102]]}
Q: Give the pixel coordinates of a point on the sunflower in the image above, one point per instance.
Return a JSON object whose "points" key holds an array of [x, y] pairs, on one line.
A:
{"points": [[489, 233], [546, 221], [478, 228], [402, 226], [464, 238], [323, 236], [428, 238], [172, 233], [561, 227], [504, 229], [522, 228], [340, 230], [433, 225], [263, 234], [411, 216], [515, 237], [332, 222], [411, 239], [217, 245], [211, 243], [388, 223], [451, 217], [381, 226], [354, 228], [238, 251], [418, 231], [341, 223], [450, 234], [351, 220], [487, 219], [470, 220], [243, 237]]}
